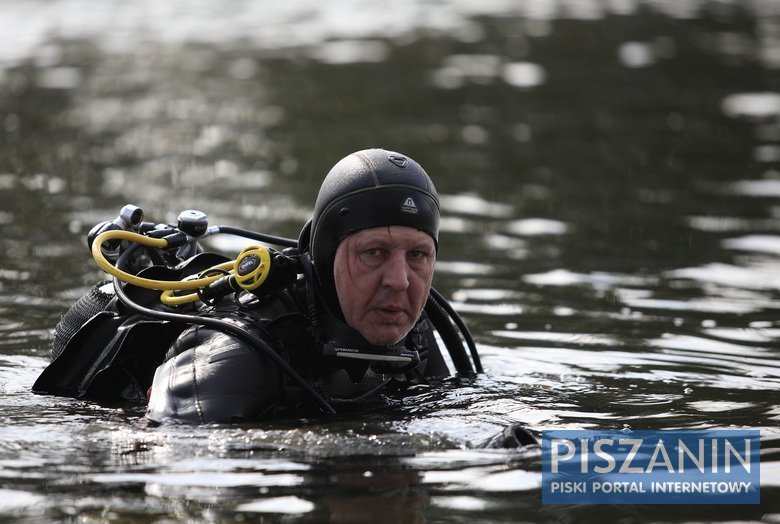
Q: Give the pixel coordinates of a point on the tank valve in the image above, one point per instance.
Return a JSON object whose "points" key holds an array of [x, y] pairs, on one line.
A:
{"points": [[193, 222]]}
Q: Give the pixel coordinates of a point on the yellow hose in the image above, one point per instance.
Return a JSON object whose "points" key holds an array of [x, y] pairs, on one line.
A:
{"points": [[147, 283], [169, 299]]}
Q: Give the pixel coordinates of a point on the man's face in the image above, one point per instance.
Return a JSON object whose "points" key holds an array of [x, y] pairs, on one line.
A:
{"points": [[383, 276]]}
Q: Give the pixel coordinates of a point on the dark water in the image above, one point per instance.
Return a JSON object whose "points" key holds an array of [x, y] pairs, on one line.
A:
{"points": [[610, 177]]}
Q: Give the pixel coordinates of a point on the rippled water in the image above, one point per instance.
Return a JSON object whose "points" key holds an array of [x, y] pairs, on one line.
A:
{"points": [[610, 181]]}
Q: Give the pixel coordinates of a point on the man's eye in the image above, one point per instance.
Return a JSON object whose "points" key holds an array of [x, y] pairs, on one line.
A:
{"points": [[416, 254]]}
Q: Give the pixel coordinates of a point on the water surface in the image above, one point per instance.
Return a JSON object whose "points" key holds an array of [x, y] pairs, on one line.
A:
{"points": [[610, 183]]}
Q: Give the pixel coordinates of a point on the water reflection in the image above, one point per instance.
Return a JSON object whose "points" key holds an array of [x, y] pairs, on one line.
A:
{"points": [[609, 185]]}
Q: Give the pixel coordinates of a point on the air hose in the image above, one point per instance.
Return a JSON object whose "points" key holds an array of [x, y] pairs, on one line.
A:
{"points": [[442, 302], [146, 283], [260, 237], [442, 323], [247, 281]]}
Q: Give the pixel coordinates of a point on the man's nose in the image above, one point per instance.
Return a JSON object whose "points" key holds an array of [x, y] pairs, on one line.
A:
{"points": [[395, 274]]}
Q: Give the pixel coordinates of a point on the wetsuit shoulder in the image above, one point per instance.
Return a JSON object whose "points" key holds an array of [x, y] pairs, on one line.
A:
{"points": [[215, 376], [211, 376]]}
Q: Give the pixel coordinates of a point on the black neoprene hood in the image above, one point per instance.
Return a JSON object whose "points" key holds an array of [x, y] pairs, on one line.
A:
{"points": [[369, 188]]}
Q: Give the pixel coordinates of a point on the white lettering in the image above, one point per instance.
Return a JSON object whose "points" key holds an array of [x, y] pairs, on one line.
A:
{"points": [[555, 456], [567, 487], [660, 449], [597, 449], [714, 443], [618, 487], [635, 445], [583, 455], [700, 487], [730, 450], [697, 460]]}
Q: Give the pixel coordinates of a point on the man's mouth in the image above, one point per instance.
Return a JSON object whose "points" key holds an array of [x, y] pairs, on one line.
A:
{"points": [[391, 314]]}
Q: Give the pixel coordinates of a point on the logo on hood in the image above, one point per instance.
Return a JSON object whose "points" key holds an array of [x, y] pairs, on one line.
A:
{"points": [[409, 206], [400, 161]]}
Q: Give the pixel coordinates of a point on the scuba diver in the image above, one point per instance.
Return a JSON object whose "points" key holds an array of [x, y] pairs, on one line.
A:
{"points": [[342, 315]]}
